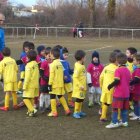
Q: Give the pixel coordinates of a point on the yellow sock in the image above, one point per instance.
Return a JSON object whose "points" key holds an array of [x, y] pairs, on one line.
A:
{"points": [[53, 106], [64, 103], [32, 101], [14, 95], [29, 104], [119, 114], [104, 111], [7, 99], [77, 107], [69, 97]]}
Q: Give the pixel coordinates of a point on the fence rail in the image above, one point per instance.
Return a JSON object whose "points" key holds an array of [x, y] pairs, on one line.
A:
{"points": [[16, 32]]}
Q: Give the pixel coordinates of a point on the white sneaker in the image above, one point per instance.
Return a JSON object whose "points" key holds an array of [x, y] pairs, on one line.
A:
{"points": [[113, 125], [131, 114], [134, 118], [123, 124]]}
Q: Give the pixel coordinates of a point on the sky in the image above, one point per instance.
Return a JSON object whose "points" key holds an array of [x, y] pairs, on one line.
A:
{"points": [[25, 2]]}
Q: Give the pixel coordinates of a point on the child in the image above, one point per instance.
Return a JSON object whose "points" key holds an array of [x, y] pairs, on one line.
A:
{"points": [[67, 75], [44, 73], [56, 84], [79, 84], [31, 83], [135, 83], [107, 77], [74, 30], [8, 71], [93, 73], [121, 92]]}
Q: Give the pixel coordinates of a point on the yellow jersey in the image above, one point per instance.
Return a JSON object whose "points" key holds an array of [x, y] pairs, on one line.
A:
{"points": [[31, 80], [107, 77], [8, 70], [130, 66], [56, 77], [79, 80]]}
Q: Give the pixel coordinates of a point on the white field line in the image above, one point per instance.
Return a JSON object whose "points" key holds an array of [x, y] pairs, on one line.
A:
{"points": [[101, 48]]}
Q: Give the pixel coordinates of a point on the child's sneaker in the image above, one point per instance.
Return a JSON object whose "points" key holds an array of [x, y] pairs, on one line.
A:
{"points": [[71, 104], [123, 124], [4, 108], [90, 104], [67, 112], [21, 104], [51, 114], [134, 118], [100, 111], [103, 120], [131, 107], [16, 107], [76, 116], [131, 114], [33, 114], [113, 125], [82, 114]]}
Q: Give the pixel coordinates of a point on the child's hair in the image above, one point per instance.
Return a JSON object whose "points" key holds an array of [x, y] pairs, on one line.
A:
{"points": [[32, 55], [25, 44], [40, 48], [117, 51], [137, 57], [79, 54], [6, 51], [56, 52], [59, 47], [121, 58], [132, 50], [65, 50], [112, 57], [48, 50], [31, 45]]}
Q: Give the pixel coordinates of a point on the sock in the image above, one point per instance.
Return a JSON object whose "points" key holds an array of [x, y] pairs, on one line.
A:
{"points": [[29, 105], [47, 100], [14, 95], [7, 99], [69, 97], [64, 103], [119, 114], [98, 98], [104, 111], [53, 106], [90, 97], [115, 116], [41, 100], [80, 107], [77, 107], [124, 114]]}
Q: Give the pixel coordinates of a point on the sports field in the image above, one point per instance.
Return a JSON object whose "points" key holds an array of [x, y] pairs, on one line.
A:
{"points": [[14, 125]]}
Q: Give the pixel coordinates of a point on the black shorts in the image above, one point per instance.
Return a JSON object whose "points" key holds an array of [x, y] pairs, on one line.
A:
{"points": [[43, 89]]}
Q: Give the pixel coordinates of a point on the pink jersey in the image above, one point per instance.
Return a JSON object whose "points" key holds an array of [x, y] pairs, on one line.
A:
{"points": [[136, 87], [44, 66], [122, 89], [95, 72]]}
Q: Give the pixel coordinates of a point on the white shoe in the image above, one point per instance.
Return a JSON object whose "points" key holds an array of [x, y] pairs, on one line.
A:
{"points": [[113, 125], [134, 118], [123, 124], [131, 114]]}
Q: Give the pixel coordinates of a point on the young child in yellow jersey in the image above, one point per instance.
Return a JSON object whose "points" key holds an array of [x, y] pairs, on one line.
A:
{"points": [[31, 83], [79, 84], [8, 72], [56, 84], [107, 77]]}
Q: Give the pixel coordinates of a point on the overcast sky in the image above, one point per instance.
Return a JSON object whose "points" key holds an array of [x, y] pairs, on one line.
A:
{"points": [[25, 2]]}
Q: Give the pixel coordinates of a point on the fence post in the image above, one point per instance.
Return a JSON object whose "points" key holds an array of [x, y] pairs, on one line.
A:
{"points": [[17, 32], [109, 32], [31, 32], [25, 32], [99, 33], [56, 32], [13, 30], [132, 34]]}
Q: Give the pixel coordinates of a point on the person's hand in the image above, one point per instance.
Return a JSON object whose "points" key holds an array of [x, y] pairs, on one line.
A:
{"points": [[109, 87], [82, 88]]}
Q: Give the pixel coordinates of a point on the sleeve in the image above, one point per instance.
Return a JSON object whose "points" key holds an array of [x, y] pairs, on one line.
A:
{"points": [[28, 72], [52, 72], [2, 39], [89, 68], [1, 70], [70, 70], [101, 78], [89, 78]]}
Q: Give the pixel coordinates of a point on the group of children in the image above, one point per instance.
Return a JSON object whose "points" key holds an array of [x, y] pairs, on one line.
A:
{"points": [[46, 77]]}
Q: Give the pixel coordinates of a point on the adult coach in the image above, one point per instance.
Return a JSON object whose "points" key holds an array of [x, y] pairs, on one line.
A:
{"points": [[2, 36]]}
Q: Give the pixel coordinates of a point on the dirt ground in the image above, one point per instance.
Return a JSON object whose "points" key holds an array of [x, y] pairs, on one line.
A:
{"points": [[15, 125]]}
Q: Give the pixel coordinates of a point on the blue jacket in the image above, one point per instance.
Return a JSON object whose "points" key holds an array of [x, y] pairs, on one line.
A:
{"points": [[2, 39], [67, 70]]}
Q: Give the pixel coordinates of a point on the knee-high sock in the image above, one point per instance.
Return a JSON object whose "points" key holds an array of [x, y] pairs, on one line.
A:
{"points": [[7, 99], [115, 116], [119, 114], [98, 98], [69, 97], [124, 114], [29, 105], [53, 106], [47, 100], [41, 100], [64, 103], [90, 97], [14, 95], [77, 107], [104, 111]]}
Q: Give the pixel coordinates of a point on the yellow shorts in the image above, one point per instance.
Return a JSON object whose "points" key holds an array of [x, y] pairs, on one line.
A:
{"points": [[106, 98], [58, 91], [10, 86], [31, 93], [79, 95], [68, 87]]}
